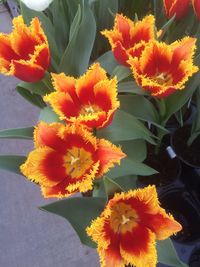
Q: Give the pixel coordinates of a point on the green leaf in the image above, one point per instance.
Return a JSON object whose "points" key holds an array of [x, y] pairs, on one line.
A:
{"points": [[167, 254], [34, 99], [75, 24], [38, 88], [131, 87], [140, 107], [174, 102], [134, 149], [130, 167], [111, 187], [18, 133], [121, 72], [79, 211], [61, 23], [11, 163], [75, 60], [108, 62], [48, 115], [99, 189], [132, 129], [103, 11], [127, 182]]}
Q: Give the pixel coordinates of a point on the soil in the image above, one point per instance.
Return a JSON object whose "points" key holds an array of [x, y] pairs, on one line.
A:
{"points": [[185, 210], [189, 154], [168, 169]]}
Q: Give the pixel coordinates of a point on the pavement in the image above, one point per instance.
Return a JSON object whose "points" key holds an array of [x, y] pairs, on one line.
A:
{"points": [[28, 236]]}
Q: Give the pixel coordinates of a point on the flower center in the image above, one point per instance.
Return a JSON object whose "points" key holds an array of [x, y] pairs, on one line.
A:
{"points": [[89, 109], [163, 78], [123, 218], [77, 161]]}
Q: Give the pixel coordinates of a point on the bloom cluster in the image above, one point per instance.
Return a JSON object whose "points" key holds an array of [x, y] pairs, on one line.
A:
{"points": [[68, 155], [157, 67]]}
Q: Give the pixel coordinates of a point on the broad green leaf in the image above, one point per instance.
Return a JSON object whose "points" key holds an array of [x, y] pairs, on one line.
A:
{"points": [[111, 187], [11, 163], [134, 149], [99, 189], [34, 99], [108, 62], [121, 72], [167, 254], [140, 107], [127, 182], [17, 133], [61, 23], [38, 88], [75, 59], [79, 211], [103, 11], [48, 115], [130, 167], [131, 87], [131, 129], [75, 24], [174, 102]]}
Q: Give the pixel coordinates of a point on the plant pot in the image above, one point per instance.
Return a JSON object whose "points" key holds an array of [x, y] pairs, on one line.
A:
{"points": [[189, 157], [194, 260], [169, 169], [173, 124], [185, 209]]}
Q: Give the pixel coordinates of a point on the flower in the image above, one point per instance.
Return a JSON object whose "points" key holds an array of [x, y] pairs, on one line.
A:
{"points": [[91, 100], [24, 52], [178, 7], [128, 37], [196, 6], [126, 230], [37, 5], [162, 69], [67, 159]]}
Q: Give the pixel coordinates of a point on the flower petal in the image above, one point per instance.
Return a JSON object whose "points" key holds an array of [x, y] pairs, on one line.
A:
{"points": [[6, 51], [196, 6], [58, 191], [44, 166], [120, 53], [22, 40], [48, 135], [183, 50], [27, 71], [162, 224], [108, 154], [63, 104], [86, 83], [138, 247]]}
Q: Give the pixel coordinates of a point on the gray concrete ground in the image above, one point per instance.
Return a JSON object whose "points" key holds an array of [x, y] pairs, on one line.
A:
{"points": [[28, 236]]}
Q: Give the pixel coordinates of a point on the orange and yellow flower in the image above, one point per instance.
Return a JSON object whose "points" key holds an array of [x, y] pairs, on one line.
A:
{"points": [[91, 100], [128, 37], [67, 159], [162, 69], [196, 6], [24, 52], [127, 229], [178, 7]]}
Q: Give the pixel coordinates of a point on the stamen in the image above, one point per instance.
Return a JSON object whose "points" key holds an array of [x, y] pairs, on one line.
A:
{"points": [[125, 220], [74, 160], [89, 109]]}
